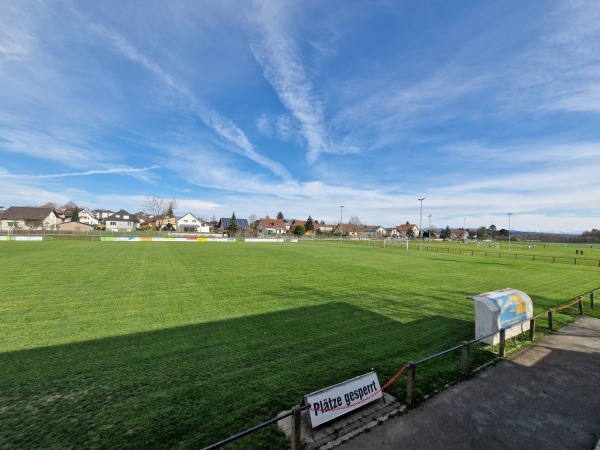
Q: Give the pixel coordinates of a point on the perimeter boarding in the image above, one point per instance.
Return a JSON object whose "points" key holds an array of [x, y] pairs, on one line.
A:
{"points": [[498, 315]]}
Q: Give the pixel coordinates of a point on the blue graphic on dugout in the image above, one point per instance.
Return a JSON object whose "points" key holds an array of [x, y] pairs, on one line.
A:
{"points": [[512, 309]]}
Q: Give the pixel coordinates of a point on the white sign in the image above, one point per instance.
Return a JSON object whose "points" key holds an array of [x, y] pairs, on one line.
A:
{"points": [[27, 238], [335, 401]]}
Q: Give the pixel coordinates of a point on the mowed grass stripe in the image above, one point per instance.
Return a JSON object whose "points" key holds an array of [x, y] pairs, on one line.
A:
{"points": [[127, 345]]}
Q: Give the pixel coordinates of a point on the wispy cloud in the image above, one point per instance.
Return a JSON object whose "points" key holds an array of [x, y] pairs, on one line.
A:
{"points": [[15, 39], [117, 170], [282, 66], [220, 124], [559, 70]]}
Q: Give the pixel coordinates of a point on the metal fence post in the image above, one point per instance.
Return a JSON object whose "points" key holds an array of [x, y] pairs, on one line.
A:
{"points": [[296, 427], [550, 319], [410, 383], [465, 358], [580, 306], [502, 350], [532, 329]]}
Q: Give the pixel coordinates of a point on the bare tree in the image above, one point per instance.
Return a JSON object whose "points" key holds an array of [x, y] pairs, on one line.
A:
{"points": [[355, 222], [69, 205], [157, 206], [253, 221]]}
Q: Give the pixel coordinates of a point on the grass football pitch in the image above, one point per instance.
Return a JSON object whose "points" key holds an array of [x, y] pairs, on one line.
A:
{"points": [[135, 344]]}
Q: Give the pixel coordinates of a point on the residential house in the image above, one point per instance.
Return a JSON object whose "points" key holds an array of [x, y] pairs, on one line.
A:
{"points": [[162, 222], [405, 231], [102, 214], [392, 233], [349, 230], [323, 228], [121, 221], [460, 234], [242, 225], [292, 224], [268, 227], [85, 216], [373, 232], [168, 222], [191, 224], [143, 218], [17, 218]]}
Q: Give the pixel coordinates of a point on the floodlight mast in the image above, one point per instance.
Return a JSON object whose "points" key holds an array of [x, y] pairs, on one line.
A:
{"points": [[341, 222], [420, 222], [429, 230], [509, 214]]}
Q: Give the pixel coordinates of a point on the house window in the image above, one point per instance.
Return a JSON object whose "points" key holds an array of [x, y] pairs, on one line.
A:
{"points": [[113, 224]]}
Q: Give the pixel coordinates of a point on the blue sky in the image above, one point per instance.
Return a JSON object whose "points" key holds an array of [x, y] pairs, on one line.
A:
{"points": [[482, 108]]}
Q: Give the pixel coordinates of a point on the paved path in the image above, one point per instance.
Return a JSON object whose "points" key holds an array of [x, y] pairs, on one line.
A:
{"points": [[545, 397]]}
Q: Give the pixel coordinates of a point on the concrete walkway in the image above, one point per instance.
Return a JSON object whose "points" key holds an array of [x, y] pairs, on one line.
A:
{"points": [[545, 397]]}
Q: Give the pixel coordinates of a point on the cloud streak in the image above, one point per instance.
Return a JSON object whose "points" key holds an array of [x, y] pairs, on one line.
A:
{"points": [[223, 126], [119, 170], [279, 58]]}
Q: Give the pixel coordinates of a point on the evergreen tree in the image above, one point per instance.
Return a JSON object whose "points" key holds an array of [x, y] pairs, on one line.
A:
{"points": [[447, 233], [233, 225], [309, 226], [75, 216], [280, 215]]}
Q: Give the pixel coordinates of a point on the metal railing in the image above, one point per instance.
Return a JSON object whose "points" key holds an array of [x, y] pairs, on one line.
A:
{"points": [[411, 373], [296, 426]]}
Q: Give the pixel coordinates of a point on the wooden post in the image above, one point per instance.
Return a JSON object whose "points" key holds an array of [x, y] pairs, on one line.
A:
{"points": [[550, 319], [580, 306], [591, 300], [296, 427], [502, 350], [410, 384], [532, 329], [465, 358]]}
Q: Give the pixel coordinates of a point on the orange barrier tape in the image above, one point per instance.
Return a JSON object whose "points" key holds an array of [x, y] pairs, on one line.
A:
{"points": [[571, 304], [365, 398]]}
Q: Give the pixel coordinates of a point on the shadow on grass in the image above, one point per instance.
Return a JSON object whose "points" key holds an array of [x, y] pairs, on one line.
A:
{"points": [[194, 385]]}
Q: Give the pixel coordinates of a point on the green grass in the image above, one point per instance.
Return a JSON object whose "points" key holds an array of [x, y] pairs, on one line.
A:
{"points": [[123, 345]]}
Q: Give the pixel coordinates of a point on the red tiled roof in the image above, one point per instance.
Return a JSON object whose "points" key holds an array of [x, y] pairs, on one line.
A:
{"points": [[273, 223]]}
